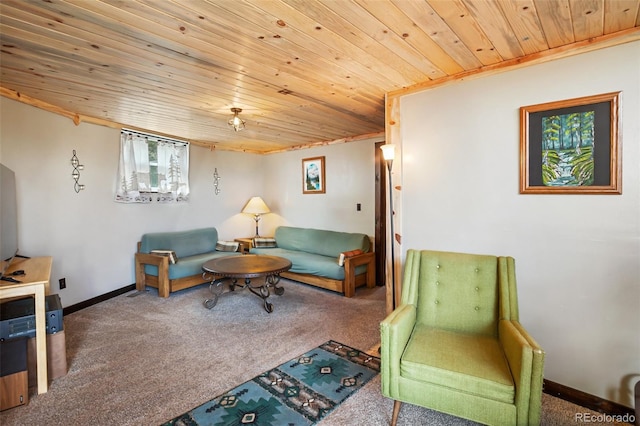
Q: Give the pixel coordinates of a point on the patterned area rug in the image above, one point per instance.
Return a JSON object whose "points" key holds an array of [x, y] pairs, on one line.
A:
{"points": [[299, 392]]}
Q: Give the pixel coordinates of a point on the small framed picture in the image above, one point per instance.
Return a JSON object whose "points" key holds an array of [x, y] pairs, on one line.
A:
{"points": [[313, 181], [571, 146]]}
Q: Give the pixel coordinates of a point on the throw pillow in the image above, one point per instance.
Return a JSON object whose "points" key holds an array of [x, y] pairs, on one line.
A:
{"points": [[346, 254], [264, 242], [227, 245], [173, 258]]}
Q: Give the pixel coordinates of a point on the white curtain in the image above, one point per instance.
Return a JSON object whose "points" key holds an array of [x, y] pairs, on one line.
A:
{"points": [[152, 169]]}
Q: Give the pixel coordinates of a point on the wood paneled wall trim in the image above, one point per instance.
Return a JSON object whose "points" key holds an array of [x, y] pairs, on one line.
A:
{"points": [[586, 400], [610, 40], [78, 118]]}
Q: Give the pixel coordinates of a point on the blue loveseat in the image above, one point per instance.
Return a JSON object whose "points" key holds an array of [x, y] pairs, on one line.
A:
{"points": [[192, 249], [315, 253]]}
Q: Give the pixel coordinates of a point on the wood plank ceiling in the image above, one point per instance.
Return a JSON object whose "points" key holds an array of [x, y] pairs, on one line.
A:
{"points": [[304, 72]]}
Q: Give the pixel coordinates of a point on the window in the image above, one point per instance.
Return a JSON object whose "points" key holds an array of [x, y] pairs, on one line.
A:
{"points": [[152, 168]]}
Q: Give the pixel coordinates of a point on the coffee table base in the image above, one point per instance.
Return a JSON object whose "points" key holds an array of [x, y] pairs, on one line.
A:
{"points": [[263, 291]]}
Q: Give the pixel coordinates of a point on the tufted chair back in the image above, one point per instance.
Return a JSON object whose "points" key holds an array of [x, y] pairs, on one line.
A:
{"points": [[455, 343], [458, 292]]}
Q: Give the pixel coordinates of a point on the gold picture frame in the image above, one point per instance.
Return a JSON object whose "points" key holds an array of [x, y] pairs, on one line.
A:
{"points": [[313, 176], [571, 146]]}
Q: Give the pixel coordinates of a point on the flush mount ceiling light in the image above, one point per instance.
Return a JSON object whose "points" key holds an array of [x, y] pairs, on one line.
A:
{"points": [[236, 122]]}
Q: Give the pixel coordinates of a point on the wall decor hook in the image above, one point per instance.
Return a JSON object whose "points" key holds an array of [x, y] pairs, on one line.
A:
{"points": [[76, 172], [216, 181]]}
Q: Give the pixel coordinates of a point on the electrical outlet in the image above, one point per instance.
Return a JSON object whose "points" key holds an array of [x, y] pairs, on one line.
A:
{"points": [[63, 283], [358, 207]]}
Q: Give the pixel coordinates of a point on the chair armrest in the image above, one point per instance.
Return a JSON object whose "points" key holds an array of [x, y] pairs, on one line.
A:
{"points": [[150, 259], [537, 376], [526, 364], [395, 331], [359, 259], [350, 264], [162, 262]]}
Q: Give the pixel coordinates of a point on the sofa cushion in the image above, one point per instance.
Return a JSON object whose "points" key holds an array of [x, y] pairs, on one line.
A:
{"points": [[184, 243], [474, 364], [264, 242], [309, 263], [190, 265], [318, 241], [173, 257], [227, 246]]}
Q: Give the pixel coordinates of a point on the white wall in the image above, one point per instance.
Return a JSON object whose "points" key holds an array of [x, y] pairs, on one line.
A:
{"points": [[577, 256], [92, 238], [350, 178]]}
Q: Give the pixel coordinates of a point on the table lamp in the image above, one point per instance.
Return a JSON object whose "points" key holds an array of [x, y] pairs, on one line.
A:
{"points": [[256, 207]]}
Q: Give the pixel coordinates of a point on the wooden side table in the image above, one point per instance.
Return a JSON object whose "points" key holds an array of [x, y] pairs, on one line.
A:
{"points": [[35, 282], [246, 244]]}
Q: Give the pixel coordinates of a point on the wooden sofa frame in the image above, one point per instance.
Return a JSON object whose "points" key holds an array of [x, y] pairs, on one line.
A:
{"points": [[162, 282], [166, 286], [351, 280]]}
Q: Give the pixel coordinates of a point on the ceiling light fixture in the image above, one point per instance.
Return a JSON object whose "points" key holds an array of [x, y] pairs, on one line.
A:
{"points": [[236, 122]]}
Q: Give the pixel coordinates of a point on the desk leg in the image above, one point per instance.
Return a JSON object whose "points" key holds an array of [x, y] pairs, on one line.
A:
{"points": [[41, 340]]}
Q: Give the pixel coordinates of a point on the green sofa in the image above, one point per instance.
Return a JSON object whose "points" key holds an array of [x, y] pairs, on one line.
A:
{"points": [[192, 248], [314, 255], [455, 343]]}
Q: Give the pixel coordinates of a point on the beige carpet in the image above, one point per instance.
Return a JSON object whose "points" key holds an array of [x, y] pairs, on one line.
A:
{"points": [[144, 360]]}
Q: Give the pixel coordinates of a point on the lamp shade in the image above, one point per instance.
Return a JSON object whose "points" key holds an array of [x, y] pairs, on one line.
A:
{"points": [[256, 206], [388, 151]]}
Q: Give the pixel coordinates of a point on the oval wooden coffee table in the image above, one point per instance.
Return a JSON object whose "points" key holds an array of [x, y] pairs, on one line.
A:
{"points": [[245, 267]]}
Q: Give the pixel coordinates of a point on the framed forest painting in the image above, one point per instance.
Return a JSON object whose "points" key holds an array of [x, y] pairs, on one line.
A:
{"points": [[313, 178], [571, 146]]}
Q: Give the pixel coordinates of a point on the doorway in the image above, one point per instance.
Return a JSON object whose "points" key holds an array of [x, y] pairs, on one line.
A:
{"points": [[380, 215]]}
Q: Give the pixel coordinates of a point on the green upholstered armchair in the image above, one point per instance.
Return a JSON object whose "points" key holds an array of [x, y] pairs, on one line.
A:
{"points": [[455, 343]]}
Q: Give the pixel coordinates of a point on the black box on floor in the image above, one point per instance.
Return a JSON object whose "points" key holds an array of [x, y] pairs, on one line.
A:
{"points": [[14, 382]]}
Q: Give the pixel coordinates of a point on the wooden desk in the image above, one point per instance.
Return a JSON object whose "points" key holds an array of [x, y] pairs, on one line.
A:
{"points": [[34, 283]]}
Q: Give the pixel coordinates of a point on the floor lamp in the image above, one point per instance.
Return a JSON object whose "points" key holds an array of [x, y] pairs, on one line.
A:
{"points": [[388, 153]]}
